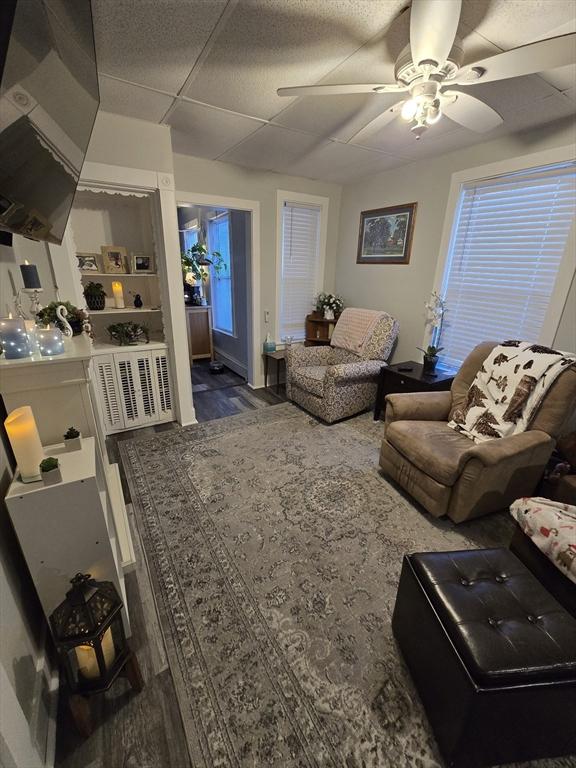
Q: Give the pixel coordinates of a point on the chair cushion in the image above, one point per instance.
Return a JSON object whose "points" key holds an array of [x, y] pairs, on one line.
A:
{"points": [[506, 627], [310, 378], [431, 446]]}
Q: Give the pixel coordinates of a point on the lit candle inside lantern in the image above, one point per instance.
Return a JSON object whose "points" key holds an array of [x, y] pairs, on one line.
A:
{"points": [[14, 337], [25, 441], [50, 341], [118, 295], [30, 275], [86, 656]]}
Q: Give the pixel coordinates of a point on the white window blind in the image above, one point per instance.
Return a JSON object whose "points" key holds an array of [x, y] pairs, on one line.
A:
{"points": [[300, 266], [508, 240], [222, 296]]}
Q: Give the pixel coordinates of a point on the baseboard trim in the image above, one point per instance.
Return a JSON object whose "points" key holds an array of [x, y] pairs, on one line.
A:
{"points": [[231, 362]]}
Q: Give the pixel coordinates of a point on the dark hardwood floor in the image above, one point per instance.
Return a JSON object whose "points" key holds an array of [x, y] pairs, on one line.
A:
{"points": [[145, 730]]}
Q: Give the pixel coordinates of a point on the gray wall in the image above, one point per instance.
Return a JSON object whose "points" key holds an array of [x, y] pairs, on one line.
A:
{"points": [[402, 290]]}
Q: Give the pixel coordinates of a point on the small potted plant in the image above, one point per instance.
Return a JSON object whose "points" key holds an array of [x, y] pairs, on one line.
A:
{"points": [[50, 471], [435, 311], [128, 334], [72, 439], [430, 359], [95, 296], [75, 316], [330, 305]]}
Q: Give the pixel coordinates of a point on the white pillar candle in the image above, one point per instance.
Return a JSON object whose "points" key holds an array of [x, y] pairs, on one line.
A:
{"points": [[50, 341], [86, 656], [25, 441], [14, 338], [118, 294]]}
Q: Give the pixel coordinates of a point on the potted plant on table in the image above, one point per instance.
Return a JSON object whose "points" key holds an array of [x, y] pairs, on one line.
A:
{"points": [[330, 305], [72, 439], [435, 311], [95, 296], [50, 471], [75, 316], [194, 266]]}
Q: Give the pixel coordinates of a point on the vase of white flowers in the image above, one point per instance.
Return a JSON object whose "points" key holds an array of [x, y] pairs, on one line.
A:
{"points": [[435, 311], [330, 305]]}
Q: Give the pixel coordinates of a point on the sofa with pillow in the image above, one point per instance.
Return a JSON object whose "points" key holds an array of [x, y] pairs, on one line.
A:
{"points": [[340, 380], [447, 472]]}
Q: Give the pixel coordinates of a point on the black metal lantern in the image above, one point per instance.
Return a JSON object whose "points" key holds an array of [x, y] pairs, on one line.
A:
{"points": [[89, 635]]}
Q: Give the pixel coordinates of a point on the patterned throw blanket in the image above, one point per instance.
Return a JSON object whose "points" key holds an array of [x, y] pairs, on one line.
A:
{"points": [[354, 328], [508, 390]]}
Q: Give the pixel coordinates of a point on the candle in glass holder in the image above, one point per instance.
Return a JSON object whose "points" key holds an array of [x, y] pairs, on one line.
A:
{"points": [[15, 338], [118, 294], [50, 341], [86, 656], [25, 441]]}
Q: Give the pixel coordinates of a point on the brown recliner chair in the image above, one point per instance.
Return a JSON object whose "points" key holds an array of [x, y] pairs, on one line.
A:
{"points": [[447, 472]]}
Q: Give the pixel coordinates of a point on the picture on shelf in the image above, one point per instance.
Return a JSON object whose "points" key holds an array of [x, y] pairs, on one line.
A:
{"points": [[142, 264], [114, 258], [88, 262]]}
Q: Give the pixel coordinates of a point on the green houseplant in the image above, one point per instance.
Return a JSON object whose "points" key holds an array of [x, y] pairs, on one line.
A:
{"points": [[128, 334], [196, 259], [50, 471], [72, 439], [435, 311], [95, 296], [76, 317]]}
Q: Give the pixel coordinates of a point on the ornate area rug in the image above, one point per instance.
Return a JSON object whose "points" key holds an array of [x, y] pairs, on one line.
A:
{"points": [[274, 546]]}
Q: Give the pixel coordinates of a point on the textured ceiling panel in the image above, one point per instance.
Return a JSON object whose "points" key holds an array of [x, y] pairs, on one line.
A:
{"points": [[266, 44], [129, 100], [153, 42], [274, 149], [396, 136], [343, 163], [337, 116], [508, 95], [206, 132]]}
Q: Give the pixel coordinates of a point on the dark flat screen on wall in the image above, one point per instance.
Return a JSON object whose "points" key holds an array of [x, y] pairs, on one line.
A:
{"points": [[48, 102]]}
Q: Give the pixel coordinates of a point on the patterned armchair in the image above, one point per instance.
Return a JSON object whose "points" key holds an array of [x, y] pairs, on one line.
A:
{"points": [[333, 383]]}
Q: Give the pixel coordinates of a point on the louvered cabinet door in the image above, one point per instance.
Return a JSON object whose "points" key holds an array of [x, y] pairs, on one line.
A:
{"points": [[108, 393], [130, 377], [163, 388]]}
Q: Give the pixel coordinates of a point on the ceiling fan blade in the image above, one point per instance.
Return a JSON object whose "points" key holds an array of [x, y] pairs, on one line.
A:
{"points": [[335, 90], [433, 25], [469, 111], [377, 123], [527, 60]]}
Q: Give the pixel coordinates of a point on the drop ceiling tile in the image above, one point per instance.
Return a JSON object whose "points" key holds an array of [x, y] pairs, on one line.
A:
{"points": [[396, 136], [431, 145], [538, 113], [335, 116], [205, 132], [272, 148], [505, 96], [153, 42], [125, 99], [266, 44], [343, 163]]}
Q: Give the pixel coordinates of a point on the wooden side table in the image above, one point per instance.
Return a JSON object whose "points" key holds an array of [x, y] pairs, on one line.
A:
{"points": [[279, 356], [393, 379]]}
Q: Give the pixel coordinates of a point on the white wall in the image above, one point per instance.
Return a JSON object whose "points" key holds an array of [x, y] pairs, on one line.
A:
{"points": [[125, 141], [402, 290], [211, 177]]}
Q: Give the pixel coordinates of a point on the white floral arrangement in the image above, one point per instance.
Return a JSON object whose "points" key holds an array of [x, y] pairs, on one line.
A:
{"points": [[329, 301], [435, 311]]}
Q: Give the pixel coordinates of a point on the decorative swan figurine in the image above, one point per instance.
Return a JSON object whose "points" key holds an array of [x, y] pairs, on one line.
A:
{"points": [[62, 314]]}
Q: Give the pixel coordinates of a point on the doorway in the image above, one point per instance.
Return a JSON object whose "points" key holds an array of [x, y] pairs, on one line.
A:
{"points": [[218, 270]]}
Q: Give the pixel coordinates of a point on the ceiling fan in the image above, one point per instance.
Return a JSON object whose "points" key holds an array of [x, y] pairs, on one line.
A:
{"points": [[431, 65]]}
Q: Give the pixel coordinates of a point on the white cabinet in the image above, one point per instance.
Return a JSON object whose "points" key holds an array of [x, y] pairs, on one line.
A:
{"points": [[134, 388]]}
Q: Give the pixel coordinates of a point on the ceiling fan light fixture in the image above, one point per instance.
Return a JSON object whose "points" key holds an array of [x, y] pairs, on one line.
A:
{"points": [[409, 109], [433, 114]]}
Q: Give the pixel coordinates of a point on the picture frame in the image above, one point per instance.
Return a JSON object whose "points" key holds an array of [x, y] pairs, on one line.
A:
{"points": [[114, 259], [88, 262], [385, 235], [142, 264]]}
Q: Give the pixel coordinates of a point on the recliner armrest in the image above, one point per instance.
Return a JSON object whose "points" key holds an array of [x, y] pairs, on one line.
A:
{"points": [[362, 370], [418, 406], [492, 452], [298, 355]]}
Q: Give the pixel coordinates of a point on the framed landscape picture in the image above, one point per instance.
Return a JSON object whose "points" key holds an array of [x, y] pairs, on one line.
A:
{"points": [[386, 235]]}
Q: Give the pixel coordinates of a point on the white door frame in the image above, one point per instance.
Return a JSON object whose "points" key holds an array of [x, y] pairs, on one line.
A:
{"points": [[255, 378]]}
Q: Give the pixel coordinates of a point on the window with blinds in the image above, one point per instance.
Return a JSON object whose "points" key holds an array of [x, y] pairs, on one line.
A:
{"points": [[300, 266], [509, 237], [221, 295]]}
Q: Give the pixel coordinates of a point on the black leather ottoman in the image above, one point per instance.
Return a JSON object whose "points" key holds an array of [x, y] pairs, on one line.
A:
{"points": [[492, 654]]}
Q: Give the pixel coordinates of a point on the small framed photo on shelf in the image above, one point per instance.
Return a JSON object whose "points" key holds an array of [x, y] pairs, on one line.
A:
{"points": [[88, 262], [114, 259], [142, 264]]}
